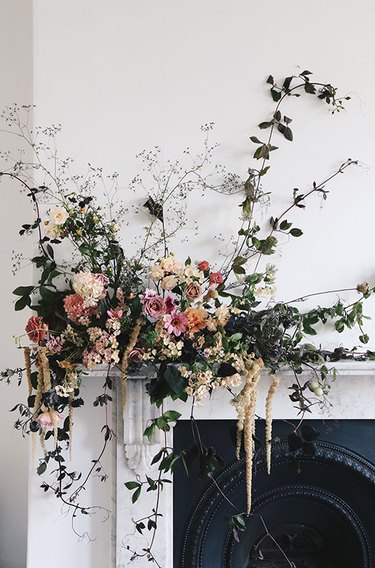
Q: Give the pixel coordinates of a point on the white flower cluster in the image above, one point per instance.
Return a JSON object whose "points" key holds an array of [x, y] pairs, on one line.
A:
{"points": [[89, 287]]}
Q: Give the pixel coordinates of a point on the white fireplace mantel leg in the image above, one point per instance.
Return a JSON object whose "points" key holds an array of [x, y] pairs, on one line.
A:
{"points": [[134, 456]]}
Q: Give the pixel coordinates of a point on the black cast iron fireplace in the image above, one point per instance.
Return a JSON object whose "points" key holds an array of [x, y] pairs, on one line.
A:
{"points": [[318, 508]]}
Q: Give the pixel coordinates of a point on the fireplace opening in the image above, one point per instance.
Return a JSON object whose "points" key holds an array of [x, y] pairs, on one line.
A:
{"points": [[317, 511]]}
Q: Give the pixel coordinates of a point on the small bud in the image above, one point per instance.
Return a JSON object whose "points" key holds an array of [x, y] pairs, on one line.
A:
{"points": [[313, 385], [363, 288]]}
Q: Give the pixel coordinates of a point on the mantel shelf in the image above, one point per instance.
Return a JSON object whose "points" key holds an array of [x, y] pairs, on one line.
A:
{"points": [[344, 367]]}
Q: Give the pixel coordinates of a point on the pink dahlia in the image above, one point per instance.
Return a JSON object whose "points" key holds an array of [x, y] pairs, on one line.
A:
{"points": [[115, 314], [36, 329], [176, 323]]}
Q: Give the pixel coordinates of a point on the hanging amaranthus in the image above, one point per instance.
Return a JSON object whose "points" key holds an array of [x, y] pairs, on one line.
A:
{"points": [[26, 354], [243, 400], [45, 369], [125, 358], [271, 392], [245, 406]]}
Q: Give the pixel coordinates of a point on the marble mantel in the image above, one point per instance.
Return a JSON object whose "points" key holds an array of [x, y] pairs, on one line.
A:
{"points": [[352, 396]]}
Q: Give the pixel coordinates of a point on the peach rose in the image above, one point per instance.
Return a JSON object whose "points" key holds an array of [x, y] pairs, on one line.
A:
{"points": [[196, 318]]}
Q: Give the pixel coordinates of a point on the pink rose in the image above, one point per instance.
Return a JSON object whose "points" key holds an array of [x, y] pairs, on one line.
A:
{"points": [[49, 419], [36, 329], [216, 278], [204, 265], [102, 278], [193, 291], [154, 306]]}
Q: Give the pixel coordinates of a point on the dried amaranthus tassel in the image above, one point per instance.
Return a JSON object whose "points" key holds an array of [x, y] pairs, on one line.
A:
{"points": [[249, 431], [45, 369], [125, 359], [38, 400], [26, 354], [42, 438], [271, 391], [252, 375], [40, 384]]}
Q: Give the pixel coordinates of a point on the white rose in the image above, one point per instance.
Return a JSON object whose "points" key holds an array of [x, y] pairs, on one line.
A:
{"points": [[58, 216]]}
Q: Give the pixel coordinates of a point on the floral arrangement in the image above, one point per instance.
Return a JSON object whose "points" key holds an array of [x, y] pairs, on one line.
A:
{"points": [[199, 326]]}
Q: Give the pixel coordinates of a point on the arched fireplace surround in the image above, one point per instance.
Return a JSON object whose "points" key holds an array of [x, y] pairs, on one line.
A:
{"points": [[319, 507]]}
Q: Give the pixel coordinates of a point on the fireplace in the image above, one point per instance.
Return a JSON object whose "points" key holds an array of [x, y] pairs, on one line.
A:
{"points": [[318, 506], [344, 462], [194, 513]]}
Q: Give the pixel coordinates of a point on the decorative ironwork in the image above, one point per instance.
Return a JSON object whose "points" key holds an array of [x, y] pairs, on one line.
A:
{"points": [[305, 544]]}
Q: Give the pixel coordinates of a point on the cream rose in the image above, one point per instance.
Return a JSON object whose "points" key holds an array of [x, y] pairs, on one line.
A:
{"points": [[169, 282], [156, 272], [172, 264], [58, 216]]}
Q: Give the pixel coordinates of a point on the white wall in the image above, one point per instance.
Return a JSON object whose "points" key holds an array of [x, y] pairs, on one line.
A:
{"points": [[131, 75], [122, 76], [16, 86]]}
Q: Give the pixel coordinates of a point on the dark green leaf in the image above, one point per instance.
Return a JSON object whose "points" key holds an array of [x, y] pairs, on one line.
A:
{"points": [[309, 88], [42, 468], [309, 433], [276, 95], [23, 290], [136, 495], [296, 232], [22, 303]]}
